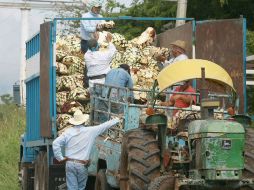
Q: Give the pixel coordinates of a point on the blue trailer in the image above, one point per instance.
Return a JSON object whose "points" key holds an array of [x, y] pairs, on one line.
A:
{"points": [[39, 169]]}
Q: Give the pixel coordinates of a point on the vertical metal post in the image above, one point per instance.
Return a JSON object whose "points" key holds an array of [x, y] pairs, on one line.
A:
{"points": [[24, 36], [181, 12]]}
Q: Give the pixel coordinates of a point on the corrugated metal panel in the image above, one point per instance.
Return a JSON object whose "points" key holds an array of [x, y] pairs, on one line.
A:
{"points": [[221, 42], [33, 46], [33, 109]]}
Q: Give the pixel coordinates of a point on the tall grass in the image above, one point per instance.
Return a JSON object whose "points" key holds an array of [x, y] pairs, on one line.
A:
{"points": [[12, 125]]}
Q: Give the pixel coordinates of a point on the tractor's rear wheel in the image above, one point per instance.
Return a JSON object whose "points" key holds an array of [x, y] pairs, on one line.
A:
{"points": [[249, 156], [163, 183], [140, 160]]}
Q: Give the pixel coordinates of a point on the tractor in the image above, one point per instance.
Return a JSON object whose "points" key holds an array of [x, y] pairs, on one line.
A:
{"points": [[202, 152]]}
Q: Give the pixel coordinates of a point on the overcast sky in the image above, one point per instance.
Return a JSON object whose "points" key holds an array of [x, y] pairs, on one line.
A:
{"points": [[10, 24]]}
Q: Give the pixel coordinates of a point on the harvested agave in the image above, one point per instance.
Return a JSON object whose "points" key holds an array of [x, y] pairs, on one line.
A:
{"points": [[69, 60], [61, 69], [79, 94]]}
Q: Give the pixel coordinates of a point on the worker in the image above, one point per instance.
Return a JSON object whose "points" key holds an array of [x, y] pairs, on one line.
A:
{"points": [[89, 27], [98, 62], [181, 100], [77, 142], [120, 77], [178, 50]]}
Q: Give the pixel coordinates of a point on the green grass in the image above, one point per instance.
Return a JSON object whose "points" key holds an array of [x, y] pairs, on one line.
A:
{"points": [[12, 125]]}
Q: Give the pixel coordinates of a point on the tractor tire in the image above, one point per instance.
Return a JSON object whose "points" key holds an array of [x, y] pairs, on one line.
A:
{"points": [[140, 160], [249, 156], [163, 183], [101, 181]]}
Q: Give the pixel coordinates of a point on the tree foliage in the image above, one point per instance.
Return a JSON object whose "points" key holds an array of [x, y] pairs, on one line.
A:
{"points": [[6, 99], [222, 9]]}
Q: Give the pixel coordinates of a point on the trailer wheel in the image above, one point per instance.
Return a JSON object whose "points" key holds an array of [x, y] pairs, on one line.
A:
{"points": [[249, 156], [101, 181], [41, 172], [140, 160], [24, 178]]}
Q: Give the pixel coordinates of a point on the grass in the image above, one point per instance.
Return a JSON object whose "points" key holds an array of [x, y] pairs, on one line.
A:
{"points": [[12, 125]]}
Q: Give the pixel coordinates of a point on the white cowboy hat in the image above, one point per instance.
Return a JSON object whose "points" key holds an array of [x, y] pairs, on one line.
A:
{"points": [[79, 118]]}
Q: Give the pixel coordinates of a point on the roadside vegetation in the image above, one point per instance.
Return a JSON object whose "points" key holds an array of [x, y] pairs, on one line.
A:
{"points": [[12, 125]]}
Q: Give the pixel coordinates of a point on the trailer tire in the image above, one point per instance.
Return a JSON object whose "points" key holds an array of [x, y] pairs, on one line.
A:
{"points": [[101, 181], [249, 156], [41, 172], [140, 160], [26, 178]]}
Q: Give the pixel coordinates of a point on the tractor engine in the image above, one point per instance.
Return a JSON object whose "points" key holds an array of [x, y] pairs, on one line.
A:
{"points": [[216, 149]]}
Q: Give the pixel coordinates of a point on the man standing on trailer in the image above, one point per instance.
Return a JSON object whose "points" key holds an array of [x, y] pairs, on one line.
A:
{"points": [[98, 62], [89, 27], [178, 52], [77, 142]]}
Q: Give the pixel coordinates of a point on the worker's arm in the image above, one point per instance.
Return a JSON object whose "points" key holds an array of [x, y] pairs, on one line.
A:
{"points": [[57, 144], [99, 129], [168, 103], [130, 85]]}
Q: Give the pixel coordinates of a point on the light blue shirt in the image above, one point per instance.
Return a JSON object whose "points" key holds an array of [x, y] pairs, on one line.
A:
{"points": [[120, 78], [88, 27], [78, 140]]}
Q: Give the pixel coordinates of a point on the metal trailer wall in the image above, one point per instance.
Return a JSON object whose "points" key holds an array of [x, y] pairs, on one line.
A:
{"points": [[220, 41], [33, 109], [223, 42]]}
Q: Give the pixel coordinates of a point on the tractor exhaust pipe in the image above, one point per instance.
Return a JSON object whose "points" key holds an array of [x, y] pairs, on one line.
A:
{"points": [[207, 105]]}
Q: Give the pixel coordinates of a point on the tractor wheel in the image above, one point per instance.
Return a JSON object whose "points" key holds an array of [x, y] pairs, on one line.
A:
{"points": [[249, 156], [101, 181], [163, 183], [140, 160]]}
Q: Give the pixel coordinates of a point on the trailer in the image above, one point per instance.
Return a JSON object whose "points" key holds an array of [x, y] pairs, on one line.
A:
{"points": [[39, 169]]}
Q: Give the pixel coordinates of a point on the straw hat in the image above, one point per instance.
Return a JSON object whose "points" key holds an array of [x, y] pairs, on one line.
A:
{"points": [[179, 43], [79, 118]]}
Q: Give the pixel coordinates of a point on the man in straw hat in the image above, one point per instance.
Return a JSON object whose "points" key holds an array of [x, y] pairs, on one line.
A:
{"points": [[178, 50], [78, 142]]}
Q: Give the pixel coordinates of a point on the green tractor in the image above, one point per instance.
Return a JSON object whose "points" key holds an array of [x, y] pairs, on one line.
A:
{"points": [[201, 153]]}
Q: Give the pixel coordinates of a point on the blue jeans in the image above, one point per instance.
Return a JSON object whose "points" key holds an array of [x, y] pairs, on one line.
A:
{"points": [[76, 176]]}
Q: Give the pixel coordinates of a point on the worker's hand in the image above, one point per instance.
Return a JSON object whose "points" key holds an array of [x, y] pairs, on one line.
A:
{"points": [[96, 35], [161, 58], [164, 104], [64, 160], [109, 37], [99, 27]]}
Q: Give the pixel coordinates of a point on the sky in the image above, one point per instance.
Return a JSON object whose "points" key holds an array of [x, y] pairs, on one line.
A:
{"points": [[10, 28]]}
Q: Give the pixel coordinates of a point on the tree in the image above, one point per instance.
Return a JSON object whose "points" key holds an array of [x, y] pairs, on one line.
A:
{"points": [[7, 99]]}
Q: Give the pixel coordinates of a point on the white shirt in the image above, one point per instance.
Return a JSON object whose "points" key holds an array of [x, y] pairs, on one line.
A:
{"points": [[88, 27], [175, 59], [98, 62], [78, 140]]}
